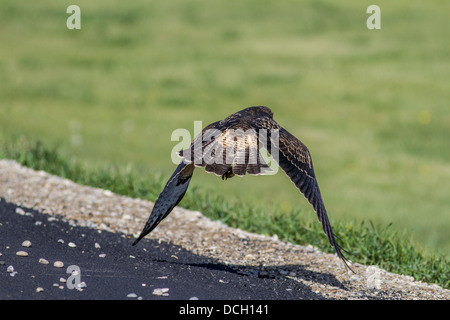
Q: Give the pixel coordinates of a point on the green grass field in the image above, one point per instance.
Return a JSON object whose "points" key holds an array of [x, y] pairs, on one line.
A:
{"points": [[371, 105]]}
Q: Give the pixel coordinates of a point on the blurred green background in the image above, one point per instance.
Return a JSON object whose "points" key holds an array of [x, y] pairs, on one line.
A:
{"points": [[371, 105]]}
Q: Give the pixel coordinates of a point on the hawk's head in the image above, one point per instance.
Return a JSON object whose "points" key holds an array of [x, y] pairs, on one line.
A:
{"points": [[259, 111]]}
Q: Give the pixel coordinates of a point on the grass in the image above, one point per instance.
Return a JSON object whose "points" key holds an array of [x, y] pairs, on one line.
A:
{"points": [[372, 106], [367, 243]]}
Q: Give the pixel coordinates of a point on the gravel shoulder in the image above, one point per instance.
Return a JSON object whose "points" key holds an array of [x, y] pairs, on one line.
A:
{"points": [[251, 256]]}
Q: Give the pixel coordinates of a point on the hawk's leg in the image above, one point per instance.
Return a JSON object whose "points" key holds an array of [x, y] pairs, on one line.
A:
{"points": [[228, 174]]}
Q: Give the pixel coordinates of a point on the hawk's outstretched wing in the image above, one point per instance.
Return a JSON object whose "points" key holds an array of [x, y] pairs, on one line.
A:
{"points": [[295, 160], [171, 195]]}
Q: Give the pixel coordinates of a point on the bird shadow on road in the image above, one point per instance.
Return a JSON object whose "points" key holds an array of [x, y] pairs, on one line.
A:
{"points": [[293, 272], [282, 282]]}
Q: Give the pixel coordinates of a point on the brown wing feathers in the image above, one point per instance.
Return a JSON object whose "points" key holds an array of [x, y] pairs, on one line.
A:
{"points": [[295, 160], [170, 196]]}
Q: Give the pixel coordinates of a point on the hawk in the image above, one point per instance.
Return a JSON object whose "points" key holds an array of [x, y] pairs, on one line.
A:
{"points": [[232, 147]]}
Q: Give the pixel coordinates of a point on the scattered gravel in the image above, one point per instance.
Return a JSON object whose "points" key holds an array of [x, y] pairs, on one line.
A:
{"points": [[81, 285], [72, 245], [161, 292], [58, 264], [249, 254], [22, 253], [26, 244]]}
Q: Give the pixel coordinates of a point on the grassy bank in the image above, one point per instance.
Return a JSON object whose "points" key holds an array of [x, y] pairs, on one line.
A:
{"points": [[367, 243]]}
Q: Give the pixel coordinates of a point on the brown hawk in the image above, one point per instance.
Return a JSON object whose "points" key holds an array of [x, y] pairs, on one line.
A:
{"points": [[232, 147]]}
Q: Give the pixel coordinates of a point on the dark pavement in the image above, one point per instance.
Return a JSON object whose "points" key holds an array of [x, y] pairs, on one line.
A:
{"points": [[125, 272]]}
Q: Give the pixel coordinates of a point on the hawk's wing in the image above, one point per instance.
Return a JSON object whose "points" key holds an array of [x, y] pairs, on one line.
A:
{"points": [[295, 160], [173, 191], [171, 195]]}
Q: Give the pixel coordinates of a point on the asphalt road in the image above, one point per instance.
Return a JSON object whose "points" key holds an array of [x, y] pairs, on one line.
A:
{"points": [[110, 268]]}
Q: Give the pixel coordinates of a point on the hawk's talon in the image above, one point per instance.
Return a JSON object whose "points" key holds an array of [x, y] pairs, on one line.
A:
{"points": [[228, 174]]}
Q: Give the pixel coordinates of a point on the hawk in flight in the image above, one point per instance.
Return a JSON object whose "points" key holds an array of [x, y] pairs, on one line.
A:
{"points": [[231, 147]]}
